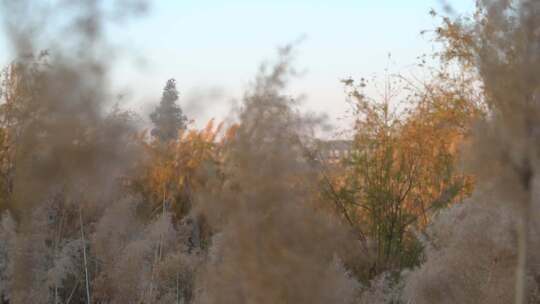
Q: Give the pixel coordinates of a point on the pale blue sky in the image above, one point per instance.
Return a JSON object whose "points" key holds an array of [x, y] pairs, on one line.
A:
{"points": [[213, 48]]}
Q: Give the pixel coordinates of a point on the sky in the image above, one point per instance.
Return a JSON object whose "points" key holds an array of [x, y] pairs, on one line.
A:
{"points": [[213, 48]]}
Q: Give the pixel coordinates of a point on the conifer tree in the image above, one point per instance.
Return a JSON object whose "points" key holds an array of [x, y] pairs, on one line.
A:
{"points": [[168, 117]]}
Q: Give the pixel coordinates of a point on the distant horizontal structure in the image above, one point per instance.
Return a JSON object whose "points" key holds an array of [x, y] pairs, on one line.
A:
{"points": [[333, 151]]}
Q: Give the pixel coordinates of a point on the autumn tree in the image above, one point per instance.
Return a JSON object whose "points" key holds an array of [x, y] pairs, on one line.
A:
{"points": [[172, 172], [501, 43], [20, 82], [404, 164]]}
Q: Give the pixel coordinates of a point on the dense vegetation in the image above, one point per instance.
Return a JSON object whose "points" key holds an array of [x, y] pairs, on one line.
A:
{"points": [[435, 201]]}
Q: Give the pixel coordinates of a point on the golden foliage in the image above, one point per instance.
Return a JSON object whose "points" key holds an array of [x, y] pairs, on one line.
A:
{"points": [[405, 163], [174, 170]]}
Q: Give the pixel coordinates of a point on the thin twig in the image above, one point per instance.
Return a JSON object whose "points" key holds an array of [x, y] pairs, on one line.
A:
{"points": [[84, 258]]}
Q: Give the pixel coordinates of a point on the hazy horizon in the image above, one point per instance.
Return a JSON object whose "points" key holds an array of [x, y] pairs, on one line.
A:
{"points": [[213, 49]]}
